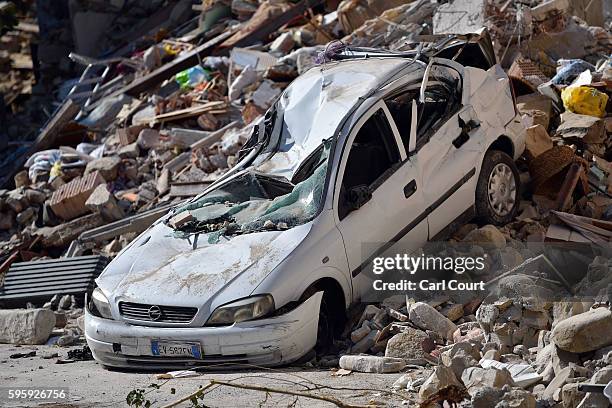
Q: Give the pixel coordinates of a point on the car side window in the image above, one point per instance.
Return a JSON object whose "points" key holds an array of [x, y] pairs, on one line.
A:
{"points": [[400, 107], [371, 158], [441, 100]]}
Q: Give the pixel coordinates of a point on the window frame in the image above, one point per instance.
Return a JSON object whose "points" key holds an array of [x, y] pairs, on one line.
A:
{"points": [[429, 133], [346, 149]]}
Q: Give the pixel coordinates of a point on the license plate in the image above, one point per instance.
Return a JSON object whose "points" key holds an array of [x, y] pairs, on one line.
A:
{"points": [[176, 349]]}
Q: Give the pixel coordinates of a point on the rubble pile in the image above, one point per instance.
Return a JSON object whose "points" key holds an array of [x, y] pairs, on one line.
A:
{"points": [[19, 32], [161, 118]]}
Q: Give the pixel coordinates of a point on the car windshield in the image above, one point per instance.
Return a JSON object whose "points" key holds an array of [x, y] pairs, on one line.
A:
{"points": [[256, 201]]}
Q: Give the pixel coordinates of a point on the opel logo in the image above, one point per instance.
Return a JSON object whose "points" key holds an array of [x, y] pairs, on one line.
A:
{"points": [[155, 312]]}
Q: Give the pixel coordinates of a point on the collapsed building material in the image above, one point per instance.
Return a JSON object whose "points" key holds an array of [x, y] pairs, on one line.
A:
{"points": [[46, 138], [26, 326], [583, 129], [597, 231], [62, 234], [213, 137], [188, 189], [459, 17], [525, 70], [102, 201], [168, 70], [537, 141], [135, 223], [562, 233], [352, 14], [537, 106], [546, 168], [263, 24], [68, 201], [575, 172], [37, 281]]}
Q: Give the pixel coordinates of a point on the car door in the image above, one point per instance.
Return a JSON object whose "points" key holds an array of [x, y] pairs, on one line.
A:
{"points": [[448, 147], [374, 156]]}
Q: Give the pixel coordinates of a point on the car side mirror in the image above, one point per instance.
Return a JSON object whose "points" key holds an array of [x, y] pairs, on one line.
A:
{"points": [[358, 196]]}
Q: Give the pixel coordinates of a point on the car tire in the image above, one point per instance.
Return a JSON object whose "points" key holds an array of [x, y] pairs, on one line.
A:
{"points": [[498, 189], [325, 329], [331, 320]]}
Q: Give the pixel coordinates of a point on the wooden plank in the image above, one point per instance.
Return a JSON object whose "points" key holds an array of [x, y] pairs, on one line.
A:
{"points": [[182, 113], [186, 137], [214, 137], [188, 189], [178, 162], [268, 27], [136, 223], [52, 129]]}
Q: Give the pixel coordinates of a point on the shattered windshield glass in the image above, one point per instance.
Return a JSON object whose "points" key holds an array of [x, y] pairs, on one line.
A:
{"points": [[255, 201]]}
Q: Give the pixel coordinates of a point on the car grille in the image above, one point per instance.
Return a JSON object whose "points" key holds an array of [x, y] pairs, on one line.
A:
{"points": [[167, 314]]}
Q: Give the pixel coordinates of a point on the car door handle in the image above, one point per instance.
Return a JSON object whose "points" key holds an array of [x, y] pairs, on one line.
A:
{"points": [[461, 139], [410, 188], [466, 128]]}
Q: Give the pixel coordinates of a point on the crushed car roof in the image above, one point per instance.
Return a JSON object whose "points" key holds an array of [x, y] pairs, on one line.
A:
{"points": [[315, 104]]}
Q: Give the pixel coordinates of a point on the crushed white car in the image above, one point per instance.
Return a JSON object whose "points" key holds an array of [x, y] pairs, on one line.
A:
{"points": [[374, 146]]}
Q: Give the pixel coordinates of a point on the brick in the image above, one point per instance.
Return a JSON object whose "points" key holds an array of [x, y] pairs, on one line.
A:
{"points": [[525, 69], [130, 134], [68, 201], [22, 179]]}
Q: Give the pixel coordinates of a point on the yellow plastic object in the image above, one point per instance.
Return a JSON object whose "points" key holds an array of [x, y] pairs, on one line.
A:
{"points": [[170, 50], [585, 100], [56, 170]]}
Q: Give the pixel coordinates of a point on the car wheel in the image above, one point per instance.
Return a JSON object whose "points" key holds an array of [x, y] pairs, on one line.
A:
{"points": [[497, 191], [325, 330]]}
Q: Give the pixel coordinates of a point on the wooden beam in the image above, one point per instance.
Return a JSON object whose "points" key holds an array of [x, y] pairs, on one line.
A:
{"points": [[268, 27]]}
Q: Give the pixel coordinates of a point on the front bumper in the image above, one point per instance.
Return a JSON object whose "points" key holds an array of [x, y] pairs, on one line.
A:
{"points": [[267, 342]]}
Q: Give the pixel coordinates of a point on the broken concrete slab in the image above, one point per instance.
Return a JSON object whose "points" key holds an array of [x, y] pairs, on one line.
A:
{"points": [[441, 378], [108, 167], [487, 236], [428, 318], [103, 202], [459, 17], [130, 151], [558, 382], [410, 344], [372, 364], [582, 333], [148, 138], [26, 326], [478, 377]]}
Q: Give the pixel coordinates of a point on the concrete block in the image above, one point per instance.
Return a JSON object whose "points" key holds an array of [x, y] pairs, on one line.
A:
{"points": [[26, 326]]}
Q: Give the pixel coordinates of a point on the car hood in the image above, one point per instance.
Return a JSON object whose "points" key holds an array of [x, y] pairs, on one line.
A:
{"points": [[161, 269]]}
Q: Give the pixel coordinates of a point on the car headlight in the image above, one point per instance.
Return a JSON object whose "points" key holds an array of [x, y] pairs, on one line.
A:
{"points": [[101, 303], [242, 310]]}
